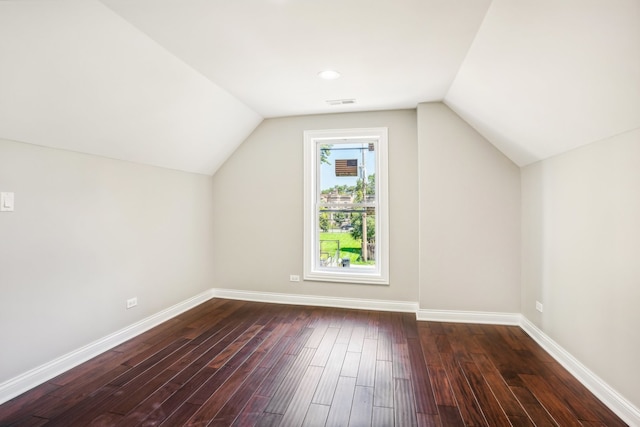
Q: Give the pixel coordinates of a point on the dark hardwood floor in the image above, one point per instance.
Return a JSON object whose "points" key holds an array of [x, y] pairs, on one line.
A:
{"points": [[242, 363]]}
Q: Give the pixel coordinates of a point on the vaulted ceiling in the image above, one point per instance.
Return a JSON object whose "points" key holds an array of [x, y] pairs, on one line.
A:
{"points": [[181, 83]]}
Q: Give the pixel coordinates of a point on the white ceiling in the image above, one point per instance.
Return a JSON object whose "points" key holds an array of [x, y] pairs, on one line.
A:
{"points": [[546, 76], [181, 83]]}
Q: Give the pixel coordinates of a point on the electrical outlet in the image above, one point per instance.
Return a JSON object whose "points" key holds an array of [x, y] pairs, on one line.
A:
{"points": [[539, 306], [294, 278], [132, 302]]}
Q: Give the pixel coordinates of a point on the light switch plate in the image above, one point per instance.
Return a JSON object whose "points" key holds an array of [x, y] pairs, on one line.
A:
{"points": [[6, 202]]}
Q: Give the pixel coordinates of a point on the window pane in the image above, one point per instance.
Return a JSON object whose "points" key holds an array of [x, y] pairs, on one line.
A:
{"points": [[342, 168], [340, 237]]}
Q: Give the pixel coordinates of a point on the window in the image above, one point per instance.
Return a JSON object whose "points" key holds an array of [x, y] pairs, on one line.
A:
{"points": [[346, 209]]}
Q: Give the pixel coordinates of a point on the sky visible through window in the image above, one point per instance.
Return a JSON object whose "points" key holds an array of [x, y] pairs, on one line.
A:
{"points": [[328, 178]]}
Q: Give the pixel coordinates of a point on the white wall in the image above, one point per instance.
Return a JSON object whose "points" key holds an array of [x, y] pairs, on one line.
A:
{"points": [[259, 209], [469, 217], [87, 234], [581, 256]]}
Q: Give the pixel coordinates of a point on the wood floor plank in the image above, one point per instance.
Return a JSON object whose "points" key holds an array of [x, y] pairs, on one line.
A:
{"points": [[95, 367], [351, 364], [233, 348], [242, 395], [491, 409], [362, 407], [384, 350], [148, 363], [234, 406], [443, 393], [397, 328], [424, 397], [299, 343], [401, 362], [324, 347], [297, 410], [357, 339], [245, 363], [336, 317], [579, 401], [220, 395], [340, 411], [125, 403], [383, 386], [367, 367], [276, 375], [96, 371], [508, 401], [170, 380], [317, 333], [464, 396], [329, 380], [287, 388], [252, 412], [147, 411], [316, 415], [595, 410], [14, 409], [382, 417], [197, 374], [544, 393], [429, 344], [131, 387], [269, 420], [33, 421], [404, 407], [373, 323], [57, 402], [346, 329], [82, 413], [511, 337], [409, 326], [536, 412], [450, 416], [106, 420], [429, 420]]}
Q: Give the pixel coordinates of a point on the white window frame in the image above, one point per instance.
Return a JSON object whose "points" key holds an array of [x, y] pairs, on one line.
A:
{"points": [[313, 271]]}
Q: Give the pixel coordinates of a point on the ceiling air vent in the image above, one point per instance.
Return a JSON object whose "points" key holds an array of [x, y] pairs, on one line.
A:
{"points": [[341, 101]]}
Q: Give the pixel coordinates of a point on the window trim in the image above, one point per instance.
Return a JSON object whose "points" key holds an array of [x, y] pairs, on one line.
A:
{"points": [[312, 271]]}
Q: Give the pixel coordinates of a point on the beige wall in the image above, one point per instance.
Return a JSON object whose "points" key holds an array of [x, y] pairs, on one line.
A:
{"points": [[469, 217], [581, 256], [87, 234], [469, 226], [259, 208]]}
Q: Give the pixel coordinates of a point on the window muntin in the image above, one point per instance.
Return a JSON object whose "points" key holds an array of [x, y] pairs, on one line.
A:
{"points": [[345, 194]]}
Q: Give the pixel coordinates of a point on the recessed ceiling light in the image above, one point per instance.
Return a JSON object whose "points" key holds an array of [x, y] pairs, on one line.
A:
{"points": [[329, 74]]}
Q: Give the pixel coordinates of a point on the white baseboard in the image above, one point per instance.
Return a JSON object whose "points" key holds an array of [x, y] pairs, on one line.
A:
{"points": [[617, 403], [30, 379], [355, 303], [469, 317]]}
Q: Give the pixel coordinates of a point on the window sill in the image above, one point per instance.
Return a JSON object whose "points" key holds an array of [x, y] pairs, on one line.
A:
{"points": [[350, 276]]}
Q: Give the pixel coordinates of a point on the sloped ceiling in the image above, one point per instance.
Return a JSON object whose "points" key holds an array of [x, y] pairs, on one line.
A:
{"points": [[546, 76], [74, 75], [181, 83]]}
